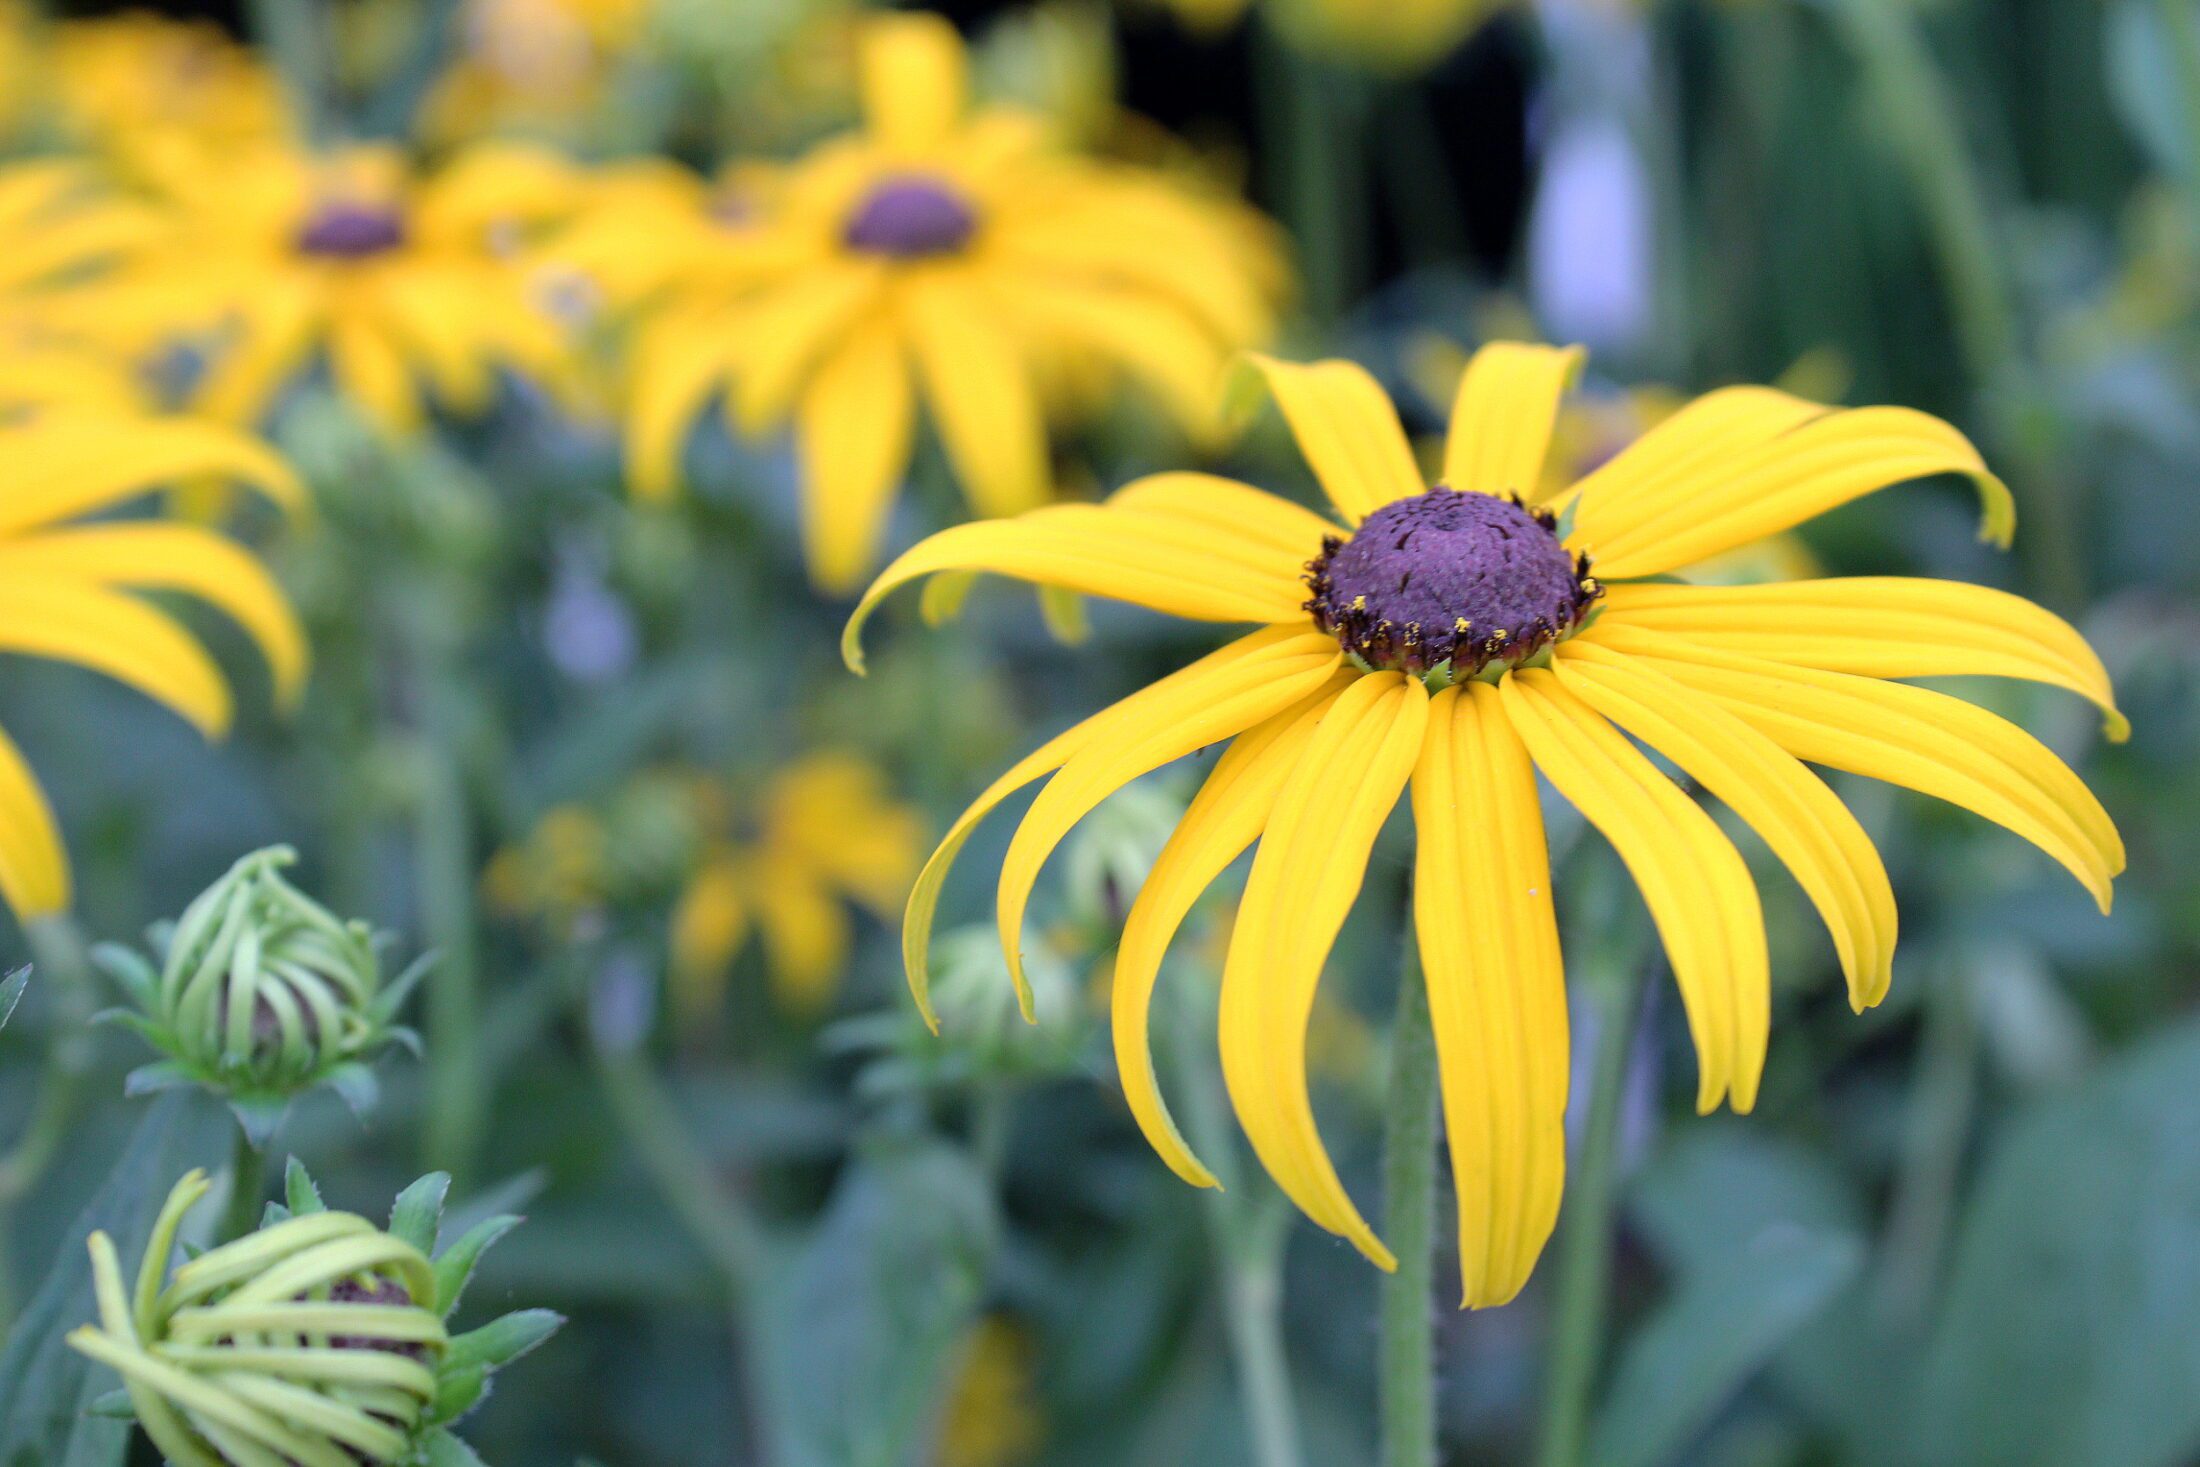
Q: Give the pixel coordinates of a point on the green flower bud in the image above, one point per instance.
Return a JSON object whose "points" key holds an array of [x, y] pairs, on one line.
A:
{"points": [[262, 993], [319, 1340]]}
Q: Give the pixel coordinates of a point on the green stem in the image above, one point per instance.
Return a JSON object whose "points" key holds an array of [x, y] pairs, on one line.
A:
{"points": [[1315, 126], [443, 872], [1943, 1101], [2184, 38], [247, 1188], [1585, 1243], [60, 962], [1406, 1356], [716, 1217], [1245, 1234]]}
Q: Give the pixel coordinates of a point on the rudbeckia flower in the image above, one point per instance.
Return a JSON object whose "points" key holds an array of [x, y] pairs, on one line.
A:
{"points": [[124, 79], [66, 592], [280, 259], [1446, 643], [950, 255]]}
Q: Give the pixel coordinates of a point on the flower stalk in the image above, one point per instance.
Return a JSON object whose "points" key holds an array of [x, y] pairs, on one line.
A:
{"points": [[1406, 1360]]}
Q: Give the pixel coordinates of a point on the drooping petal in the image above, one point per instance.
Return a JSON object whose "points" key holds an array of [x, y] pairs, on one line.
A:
{"points": [[709, 923], [124, 638], [1804, 823], [785, 331], [1496, 985], [1152, 338], [913, 80], [66, 466], [676, 367], [1731, 498], [1913, 737], [1879, 626], [1223, 819], [1312, 858], [1165, 564], [371, 371], [160, 557], [1232, 512], [1502, 417], [34, 871], [1347, 430], [981, 393], [1691, 877], [924, 893], [1707, 431], [1209, 709], [856, 423], [806, 935]]}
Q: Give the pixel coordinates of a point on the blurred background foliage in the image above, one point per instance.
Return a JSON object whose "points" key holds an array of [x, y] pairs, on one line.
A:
{"points": [[1963, 1228]]}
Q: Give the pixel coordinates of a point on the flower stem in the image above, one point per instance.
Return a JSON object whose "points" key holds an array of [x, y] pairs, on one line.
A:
{"points": [[1406, 1361], [247, 1188], [58, 956], [443, 870], [1585, 1246], [1316, 123]]}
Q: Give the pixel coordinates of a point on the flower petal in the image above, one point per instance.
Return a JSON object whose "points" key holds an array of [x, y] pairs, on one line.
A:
{"points": [[856, 423], [371, 371], [1312, 858], [1187, 715], [1804, 823], [806, 935], [1913, 737], [1693, 880], [1151, 337], [1347, 430], [785, 331], [1502, 417], [1733, 495], [1879, 626], [1223, 819], [1167, 564], [1496, 986], [913, 81], [124, 638], [161, 557], [34, 870], [676, 367], [981, 393], [1227, 509], [68, 465]]}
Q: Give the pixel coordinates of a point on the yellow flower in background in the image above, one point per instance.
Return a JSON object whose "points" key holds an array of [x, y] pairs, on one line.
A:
{"points": [[404, 286], [68, 591], [1460, 638], [123, 79], [823, 833], [992, 1415], [950, 255], [559, 873], [532, 64]]}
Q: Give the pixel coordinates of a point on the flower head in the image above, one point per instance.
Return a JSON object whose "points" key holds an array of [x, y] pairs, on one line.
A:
{"points": [[1335, 707], [320, 1339], [946, 253], [262, 993]]}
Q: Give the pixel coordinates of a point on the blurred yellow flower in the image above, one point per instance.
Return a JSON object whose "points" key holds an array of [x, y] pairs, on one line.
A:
{"points": [[64, 590], [123, 79], [992, 1416], [947, 253], [1460, 639], [824, 831], [532, 65], [278, 259]]}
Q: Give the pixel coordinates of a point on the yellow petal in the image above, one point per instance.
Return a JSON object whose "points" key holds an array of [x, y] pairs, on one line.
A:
{"points": [[1804, 823], [1502, 417], [279, 331], [709, 923], [981, 393], [67, 466], [1689, 444], [1152, 338], [1222, 507], [1312, 858], [371, 372], [1496, 986], [805, 935], [675, 369], [1347, 430], [124, 638], [1913, 737], [1691, 877], [924, 894], [913, 81], [1223, 819], [1194, 713], [1166, 564], [785, 332], [1879, 626], [1738, 496], [174, 558], [856, 423], [34, 870]]}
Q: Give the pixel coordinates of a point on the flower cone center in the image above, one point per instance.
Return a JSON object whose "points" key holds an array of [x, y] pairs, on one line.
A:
{"points": [[911, 216]]}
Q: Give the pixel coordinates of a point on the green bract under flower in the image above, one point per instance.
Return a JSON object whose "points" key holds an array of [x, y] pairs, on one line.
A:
{"points": [[319, 1340], [261, 994]]}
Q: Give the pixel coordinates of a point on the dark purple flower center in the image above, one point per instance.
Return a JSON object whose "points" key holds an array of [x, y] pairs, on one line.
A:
{"points": [[385, 1292], [347, 230], [1449, 576], [910, 216]]}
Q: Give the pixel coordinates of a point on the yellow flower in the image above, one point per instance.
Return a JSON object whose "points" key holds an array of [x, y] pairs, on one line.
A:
{"points": [[284, 258], [125, 78], [557, 873], [992, 1418], [949, 253], [65, 591], [825, 832], [1458, 639]]}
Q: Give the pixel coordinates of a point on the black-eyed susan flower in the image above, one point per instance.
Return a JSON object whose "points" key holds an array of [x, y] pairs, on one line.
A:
{"points": [[124, 81], [70, 591], [319, 1340], [402, 285], [1450, 641], [948, 255]]}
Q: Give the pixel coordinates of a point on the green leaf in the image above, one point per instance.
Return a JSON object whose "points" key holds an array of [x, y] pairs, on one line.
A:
{"points": [[458, 1389], [298, 1189], [2066, 1338], [356, 1085], [441, 1449], [456, 1266], [260, 1115], [1704, 1343], [47, 1389], [11, 993], [417, 1215], [153, 1078], [503, 1340], [130, 971]]}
